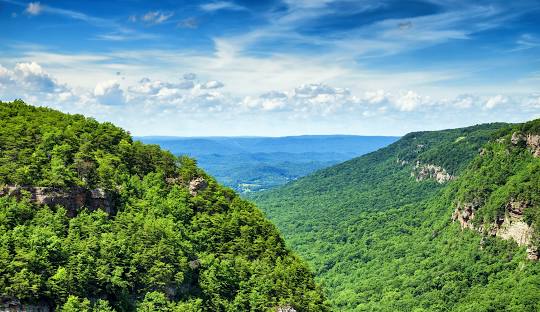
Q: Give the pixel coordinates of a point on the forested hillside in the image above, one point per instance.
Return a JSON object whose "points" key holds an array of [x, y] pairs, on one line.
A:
{"points": [[430, 223], [171, 239]]}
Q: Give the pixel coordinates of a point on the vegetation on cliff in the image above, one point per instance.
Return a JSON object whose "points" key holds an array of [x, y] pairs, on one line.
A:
{"points": [[381, 239], [173, 245]]}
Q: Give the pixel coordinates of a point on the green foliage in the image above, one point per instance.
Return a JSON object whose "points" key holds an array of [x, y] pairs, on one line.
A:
{"points": [[380, 241], [44, 147], [164, 250]]}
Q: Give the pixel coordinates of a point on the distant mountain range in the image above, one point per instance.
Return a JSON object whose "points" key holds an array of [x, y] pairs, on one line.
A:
{"points": [[255, 163]]}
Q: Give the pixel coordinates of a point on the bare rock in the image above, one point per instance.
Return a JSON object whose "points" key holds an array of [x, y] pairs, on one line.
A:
{"points": [[14, 305], [517, 138], [285, 308], [464, 214], [73, 198], [533, 253], [533, 143], [197, 185], [429, 171], [511, 226]]}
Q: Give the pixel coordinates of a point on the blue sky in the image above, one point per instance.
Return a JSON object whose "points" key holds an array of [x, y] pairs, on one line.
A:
{"points": [[195, 68]]}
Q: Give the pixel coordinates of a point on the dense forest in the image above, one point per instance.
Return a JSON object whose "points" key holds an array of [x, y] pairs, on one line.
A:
{"points": [[381, 236], [166, 245]]}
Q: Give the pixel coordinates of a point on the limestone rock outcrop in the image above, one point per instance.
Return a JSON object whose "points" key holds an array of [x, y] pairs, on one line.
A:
{"points": [[285, 308], [511, 226], [531, 141], [14, 305], [197, 185], [429, 171], [73, 199]]}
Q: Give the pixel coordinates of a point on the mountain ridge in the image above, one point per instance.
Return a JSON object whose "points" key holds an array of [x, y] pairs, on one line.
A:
{"points": [[173, 239], [381, 239]]}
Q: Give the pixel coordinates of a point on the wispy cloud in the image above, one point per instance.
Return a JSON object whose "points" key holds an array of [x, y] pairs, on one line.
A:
{"points": [[527, 41], [190, 22], [34, 8], [156, 17], [221, 5]]}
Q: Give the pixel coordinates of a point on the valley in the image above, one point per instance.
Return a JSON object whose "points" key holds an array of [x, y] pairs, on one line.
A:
{"points": [[251, 164], [383, 233]]}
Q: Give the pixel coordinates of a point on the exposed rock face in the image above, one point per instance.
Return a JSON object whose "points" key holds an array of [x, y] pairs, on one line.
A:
{"points": [[197, 185], [430, 171], [285, 308], [512, 226], [15, 305], [517, 138], [531, 141], [464, 214], [73, 199]]}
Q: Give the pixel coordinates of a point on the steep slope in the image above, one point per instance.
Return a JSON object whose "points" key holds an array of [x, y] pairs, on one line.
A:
{"points": [[378, 229], [92, 221]]}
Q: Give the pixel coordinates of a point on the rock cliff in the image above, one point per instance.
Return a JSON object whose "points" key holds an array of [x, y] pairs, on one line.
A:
{"points": [[531, 141], [511, 226], [73, 199], [429, 171]]}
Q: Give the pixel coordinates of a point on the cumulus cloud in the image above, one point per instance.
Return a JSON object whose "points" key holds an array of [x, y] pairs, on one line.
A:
{"points": [[32, 76], [271, 101], [212, 85], [308, 102], [495, 101], [410, 101], [464, 101], [109, 93], [34, 8], [376, 97]]}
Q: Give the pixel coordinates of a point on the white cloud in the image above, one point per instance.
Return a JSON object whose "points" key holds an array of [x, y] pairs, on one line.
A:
{"points": [[190, 22], [212, 85], [410, 101], [156, 17], [464, 101], [109, 93], [221, 5], [30, 77], [149, 105], [34, 8], [376, 97], [495, 101], [271, 101]]}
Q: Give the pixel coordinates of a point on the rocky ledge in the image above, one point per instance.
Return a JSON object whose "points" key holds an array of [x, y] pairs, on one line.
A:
{"points": [[14, 305], [511, 226], [429, 171], [72, 198], [531, 141]]}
